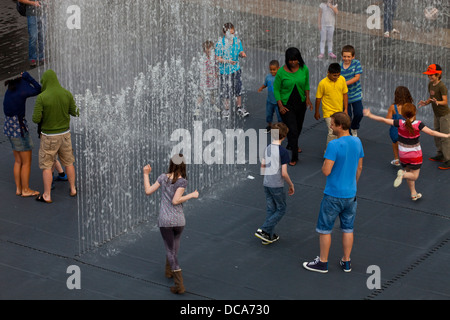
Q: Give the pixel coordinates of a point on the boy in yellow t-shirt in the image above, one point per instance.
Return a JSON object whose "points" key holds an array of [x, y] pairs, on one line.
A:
{"points": [[332, 93]]}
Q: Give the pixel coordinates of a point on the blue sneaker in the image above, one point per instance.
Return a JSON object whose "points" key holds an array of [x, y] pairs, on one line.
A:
{"points": [[316, 265], [60, 178], [346, 265]]}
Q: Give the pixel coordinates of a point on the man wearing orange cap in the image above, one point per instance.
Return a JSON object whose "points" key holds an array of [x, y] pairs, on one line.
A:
{"points": [[439, 101]]}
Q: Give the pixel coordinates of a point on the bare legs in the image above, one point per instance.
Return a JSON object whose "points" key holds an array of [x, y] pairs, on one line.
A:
{"points": [[411, 176], [47, 177], [325, 244], [22, 168]]}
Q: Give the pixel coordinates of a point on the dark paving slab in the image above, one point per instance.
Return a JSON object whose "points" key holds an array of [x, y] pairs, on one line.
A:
{"points": [[220, 256]]}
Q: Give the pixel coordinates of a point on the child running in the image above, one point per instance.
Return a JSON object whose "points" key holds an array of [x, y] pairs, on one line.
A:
{"points": [[410, 152], [274, 169], [171, 220]]}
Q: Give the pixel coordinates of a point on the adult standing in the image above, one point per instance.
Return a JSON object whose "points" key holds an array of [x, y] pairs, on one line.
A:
{"points": [[390, 6], [291, 90], [16, 129], [342, 167], [36, 29], [53, 109]]}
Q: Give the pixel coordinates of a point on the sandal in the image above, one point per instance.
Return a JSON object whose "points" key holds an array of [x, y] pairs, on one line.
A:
{"points": [[40, 198], [417, 196], [399, 179]]}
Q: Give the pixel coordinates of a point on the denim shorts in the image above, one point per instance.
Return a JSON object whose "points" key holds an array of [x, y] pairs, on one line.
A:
{"points": [[21, 143], [331, 208]]}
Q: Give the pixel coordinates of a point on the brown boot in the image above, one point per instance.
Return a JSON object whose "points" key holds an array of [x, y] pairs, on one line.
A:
{"points": [[168, 270], [178, 280]]}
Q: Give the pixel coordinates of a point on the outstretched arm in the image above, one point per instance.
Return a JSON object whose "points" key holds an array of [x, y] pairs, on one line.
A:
{"points": [[369, 114], [435, 133]]}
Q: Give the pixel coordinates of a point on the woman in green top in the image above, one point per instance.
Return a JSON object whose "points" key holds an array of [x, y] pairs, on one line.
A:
{"points": [[291, 90]]}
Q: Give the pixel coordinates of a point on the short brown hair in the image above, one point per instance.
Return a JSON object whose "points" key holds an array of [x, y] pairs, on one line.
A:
{"points": [[227, 26], [348, 48], [342, 119], [282, 130]]}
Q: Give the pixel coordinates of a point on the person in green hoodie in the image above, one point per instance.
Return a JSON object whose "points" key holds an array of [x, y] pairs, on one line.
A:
{"points": [[53, 108]]}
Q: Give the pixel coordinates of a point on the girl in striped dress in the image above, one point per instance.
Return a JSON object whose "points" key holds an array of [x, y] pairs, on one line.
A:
{"points": [[410, 152]]}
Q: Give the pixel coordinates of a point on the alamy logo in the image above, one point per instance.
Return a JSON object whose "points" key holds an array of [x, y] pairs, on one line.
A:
{"points": [[374, 21], [74, 280], [228, 148], [74, 20]]}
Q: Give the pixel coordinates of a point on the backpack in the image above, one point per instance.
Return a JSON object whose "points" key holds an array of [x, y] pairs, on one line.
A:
{"points": [[22, 8]]}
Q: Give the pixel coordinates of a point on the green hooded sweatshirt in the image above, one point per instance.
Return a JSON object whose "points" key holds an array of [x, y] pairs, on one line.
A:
{"points": [[54, 105]]}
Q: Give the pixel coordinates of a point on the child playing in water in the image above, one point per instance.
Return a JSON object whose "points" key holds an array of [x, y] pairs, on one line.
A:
{"points": [[171, 220], [410, 152], [209, 81], [401, 96], [271, 102], [327, 21]]}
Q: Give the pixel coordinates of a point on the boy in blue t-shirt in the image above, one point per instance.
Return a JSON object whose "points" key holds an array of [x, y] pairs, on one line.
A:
{"points": [[271, 103], [351, 70], [342, 167], [274, 169]]}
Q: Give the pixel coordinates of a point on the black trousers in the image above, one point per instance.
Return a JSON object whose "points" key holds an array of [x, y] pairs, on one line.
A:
{"points": [[294, 119]]}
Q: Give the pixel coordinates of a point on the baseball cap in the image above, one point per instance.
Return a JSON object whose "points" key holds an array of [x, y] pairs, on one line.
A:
{"points": [[433, 69]]}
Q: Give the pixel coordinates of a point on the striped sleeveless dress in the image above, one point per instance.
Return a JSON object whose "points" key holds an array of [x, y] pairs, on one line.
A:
{"points": [[409, 149]]}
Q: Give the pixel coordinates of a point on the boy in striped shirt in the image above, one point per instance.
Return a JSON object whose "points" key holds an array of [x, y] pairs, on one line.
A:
{"points": [[351, 70]]}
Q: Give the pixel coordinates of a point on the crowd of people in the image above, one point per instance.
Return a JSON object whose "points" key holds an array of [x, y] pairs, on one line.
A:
{"points": [[338, 96]]}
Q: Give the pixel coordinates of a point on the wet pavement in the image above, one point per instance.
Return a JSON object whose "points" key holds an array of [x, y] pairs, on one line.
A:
{"points": [[13, 41]]}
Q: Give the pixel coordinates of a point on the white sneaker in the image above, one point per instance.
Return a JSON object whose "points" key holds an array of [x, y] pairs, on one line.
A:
{"points": [[354, 132], [386, 34], [242, 112], [399, 179]]}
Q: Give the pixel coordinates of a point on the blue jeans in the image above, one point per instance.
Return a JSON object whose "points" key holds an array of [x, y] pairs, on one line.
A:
{"points": [[331, 208], [355, 111], [270, 108], [36, 37], [275, 208], [389, 10]]}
